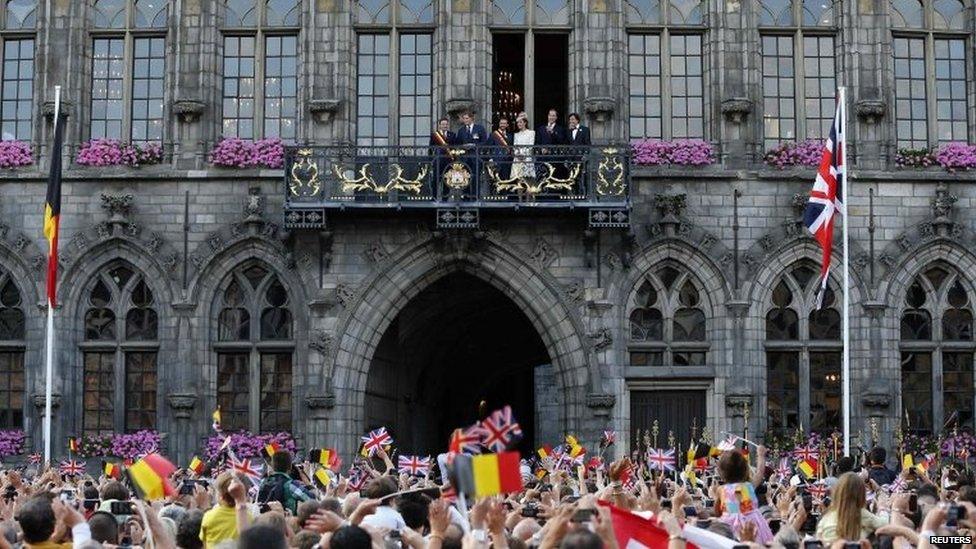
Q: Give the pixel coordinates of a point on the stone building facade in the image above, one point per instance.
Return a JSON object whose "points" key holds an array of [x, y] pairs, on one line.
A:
{"points": [[181, 287]]}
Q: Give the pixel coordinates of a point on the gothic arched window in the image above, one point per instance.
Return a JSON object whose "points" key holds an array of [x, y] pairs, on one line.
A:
{"points": [[12, 385], [255, 344], [937, 344], [665, 56], [797, 38], [803, 352], [667, 320], [120, 347], [931, 67]]}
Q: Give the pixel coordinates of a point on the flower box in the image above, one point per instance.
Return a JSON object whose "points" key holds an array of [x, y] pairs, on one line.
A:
{"points": [[246, 444], [12, 442], [111, 152], [682, 152], [121, 445], [233, 152], [800, 153], [16, 154]]}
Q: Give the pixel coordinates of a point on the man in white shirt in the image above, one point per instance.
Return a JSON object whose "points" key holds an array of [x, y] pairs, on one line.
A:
{"points": [[385, 516]]}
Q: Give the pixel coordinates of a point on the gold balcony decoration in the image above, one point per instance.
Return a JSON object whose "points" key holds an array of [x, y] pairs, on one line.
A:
{"points": [[550, 181], [457, 176], [610, 174], [532, 187], [305, 175], [366, 182]]}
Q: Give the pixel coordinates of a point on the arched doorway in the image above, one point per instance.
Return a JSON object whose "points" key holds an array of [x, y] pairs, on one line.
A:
{"points": [[457, 342]]}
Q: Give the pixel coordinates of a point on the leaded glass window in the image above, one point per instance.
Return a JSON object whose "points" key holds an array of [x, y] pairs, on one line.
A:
{"points": [[937, 349], [20, 15], [394, 72], [667, 320], [259, 97], [803, 352], [254, 345], [12, 345], [931, 72], [17, 76], [799, 82], [128, 70], [666, 99], [121, 341]]}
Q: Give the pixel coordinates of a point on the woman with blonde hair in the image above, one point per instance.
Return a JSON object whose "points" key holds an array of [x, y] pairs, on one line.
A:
{"points": [[848, 517]]}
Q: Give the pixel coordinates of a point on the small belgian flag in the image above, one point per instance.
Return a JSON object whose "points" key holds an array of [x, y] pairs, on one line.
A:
{"points": [[111, 470], [197, 466], [73, 445]]}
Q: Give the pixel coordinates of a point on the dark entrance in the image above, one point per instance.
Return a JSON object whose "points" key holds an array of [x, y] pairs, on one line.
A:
{"points": [[458, 342], [675, 411], [540, 80], [551, 77]]}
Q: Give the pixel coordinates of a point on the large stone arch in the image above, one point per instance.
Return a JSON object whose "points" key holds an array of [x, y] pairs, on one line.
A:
{"points": [[400, 277]]}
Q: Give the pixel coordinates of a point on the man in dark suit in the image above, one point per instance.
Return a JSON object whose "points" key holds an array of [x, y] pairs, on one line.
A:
{"points": [[551, 133], [441, 141], [501, 143], [470, 137], [579, 135]]}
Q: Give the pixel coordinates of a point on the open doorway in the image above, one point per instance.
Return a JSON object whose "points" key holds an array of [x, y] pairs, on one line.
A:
{"points": [[508, 77], [530, 72], [551, 77]]}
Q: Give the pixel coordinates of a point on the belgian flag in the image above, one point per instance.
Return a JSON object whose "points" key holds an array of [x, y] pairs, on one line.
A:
{"points": [[150, 477], [52, 209], [488, 474], [111, 470]]}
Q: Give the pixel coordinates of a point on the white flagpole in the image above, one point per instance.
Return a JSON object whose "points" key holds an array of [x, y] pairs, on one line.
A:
{"points": [[49, 366], [846, 364]]}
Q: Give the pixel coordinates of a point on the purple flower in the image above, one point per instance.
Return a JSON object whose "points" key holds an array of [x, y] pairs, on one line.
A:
{"points": [[12, 442], [682, 152], [246, 444], [802, 153], [15, 153], [914, 158], [134, 445], [233, 152], [956, 156], [111, 152]]}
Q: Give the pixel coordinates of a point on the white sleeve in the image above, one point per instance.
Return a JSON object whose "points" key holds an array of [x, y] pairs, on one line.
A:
{"points": [[80, 533]]}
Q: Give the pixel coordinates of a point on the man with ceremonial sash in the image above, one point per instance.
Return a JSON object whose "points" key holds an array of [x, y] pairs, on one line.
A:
{"points": [[441, 141], [501, 142]]}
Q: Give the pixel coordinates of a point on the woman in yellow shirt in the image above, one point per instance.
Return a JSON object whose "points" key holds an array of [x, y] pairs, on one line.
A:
{"points": [[847, 518], [226, 520]]}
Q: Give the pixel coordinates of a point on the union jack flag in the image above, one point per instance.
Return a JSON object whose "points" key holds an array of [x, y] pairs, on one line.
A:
{"points": [[784, 470], [448, 493], [728, 443], [500, 430], [662, 460], [413, 465], [34, 459], [357, 478], [803, 453], [376, 439], [898, 485], [466, 441], [817, 491], [609, 437], [71, 467], [827, 198], [249, 469]]}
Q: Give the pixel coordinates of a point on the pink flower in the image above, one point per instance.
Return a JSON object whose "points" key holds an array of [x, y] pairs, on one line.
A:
{"points": [[233, 152], [12, 442], [682, 152], [956, 156], [15, 153], [111, 152], [802, 153]]}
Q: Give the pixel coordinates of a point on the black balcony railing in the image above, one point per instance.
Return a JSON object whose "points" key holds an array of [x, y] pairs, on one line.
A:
{"points": [[319, 179]]}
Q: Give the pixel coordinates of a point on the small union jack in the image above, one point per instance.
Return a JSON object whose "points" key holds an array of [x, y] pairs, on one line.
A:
{"points": [[357, 478], [34, 459], [702, 465], [609, 437], [595, 463], [248, 468], [803, 453], [413, 465], [898, 485], [448, 493], [376, 439], [662, 460], [71, 467], [728, 444], [500, 430], [784, 470], [466, 441], [818, 491]]}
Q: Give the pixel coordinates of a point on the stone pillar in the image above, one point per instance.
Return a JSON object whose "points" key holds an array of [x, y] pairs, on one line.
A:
{"points": [[181, 443], [463, 44], [598, 88], [869, 45], [741, 384], [330, 52], [732, 46]]}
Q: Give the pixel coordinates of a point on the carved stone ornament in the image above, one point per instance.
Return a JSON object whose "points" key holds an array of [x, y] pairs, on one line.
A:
{"points": [[543, 254], [599, 108], [943, 201], [375, 252], [870, 110], [254, 205], [38, 399], [47, 108], [324, 110], [117, 206], [321, 341], [799, 204], [575, 291], [344, 295], [182, 404], [456, 106], [188, 110], [601, 403], [320, 402], [601, 339], [737, 403], [670, 206], [876, 396], [736, 109]]}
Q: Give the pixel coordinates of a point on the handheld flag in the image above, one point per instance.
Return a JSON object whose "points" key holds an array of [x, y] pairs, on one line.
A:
{"points": [[466, 441], [374, 440], [662, 460], [252, 471], [609, 437], [413, 465], [325, 457], [488, 474], [826, 197], [73, 445], [71, 467], [216, 419], [544, 451], [197, 465], [323, 477], [111, 470], [150, 477], [270, 449], [809, 468], [501, 430], [34, 459], [907, 461]]}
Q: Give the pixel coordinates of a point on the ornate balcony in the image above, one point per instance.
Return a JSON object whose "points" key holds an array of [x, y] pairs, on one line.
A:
{"points": [[457, 184]]}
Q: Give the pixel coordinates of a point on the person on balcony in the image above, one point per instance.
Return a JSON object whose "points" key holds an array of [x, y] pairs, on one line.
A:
{"points": [[501, 141], [441, 141], [579, 139], [471, 136], [552, 137], [523, 165]]}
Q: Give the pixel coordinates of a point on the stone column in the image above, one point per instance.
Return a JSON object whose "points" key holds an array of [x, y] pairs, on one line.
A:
{"points": [[194, 43], [181, 443], [463, 44], [330, 57], [599, 88], [869, 44]]}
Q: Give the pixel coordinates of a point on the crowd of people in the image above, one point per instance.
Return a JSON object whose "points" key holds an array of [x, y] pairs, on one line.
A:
{"points": [[620, 505]]}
